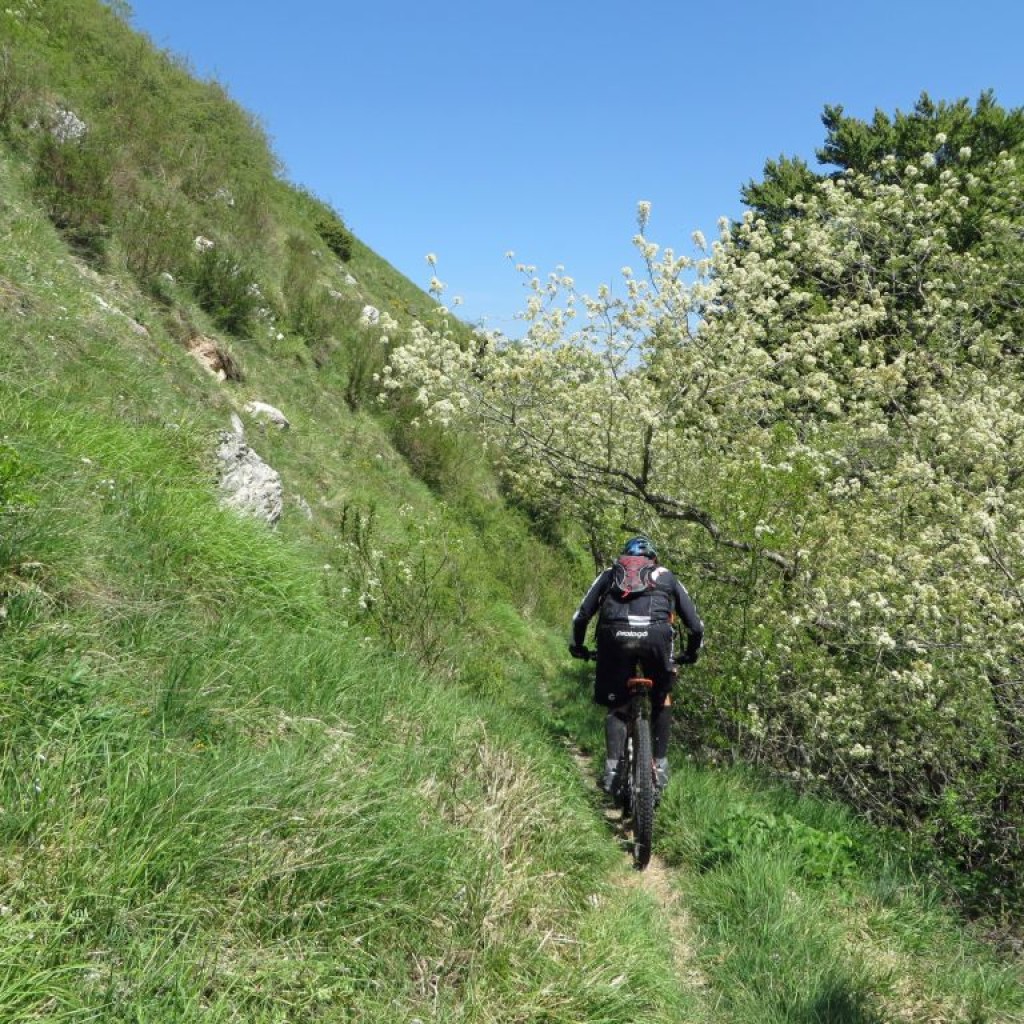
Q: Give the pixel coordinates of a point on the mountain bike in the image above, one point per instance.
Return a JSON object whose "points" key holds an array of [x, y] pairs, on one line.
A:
{"points": [[635, 788]]}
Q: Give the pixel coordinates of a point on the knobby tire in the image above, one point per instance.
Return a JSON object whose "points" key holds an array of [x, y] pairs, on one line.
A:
{"points": [[642, 786]]}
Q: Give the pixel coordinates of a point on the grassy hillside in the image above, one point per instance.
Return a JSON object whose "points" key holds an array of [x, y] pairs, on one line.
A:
{"points": [[224, 796], [256, 774], [318, 772]]}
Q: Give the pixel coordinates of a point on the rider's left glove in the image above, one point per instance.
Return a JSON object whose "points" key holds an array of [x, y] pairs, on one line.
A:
{"points": [[578, 651]]}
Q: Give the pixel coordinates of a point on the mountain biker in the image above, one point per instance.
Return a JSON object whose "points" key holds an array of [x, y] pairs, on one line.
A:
{"points": [[637, 601]]}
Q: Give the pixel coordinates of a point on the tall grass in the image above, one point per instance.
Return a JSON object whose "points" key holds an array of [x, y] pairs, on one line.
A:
{"points": [[808, 915], [218, 804]]}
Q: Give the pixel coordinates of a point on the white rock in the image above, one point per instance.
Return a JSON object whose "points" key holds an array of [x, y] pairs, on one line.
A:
{"points": [[263, 411], [247, 483], [68, 126]]}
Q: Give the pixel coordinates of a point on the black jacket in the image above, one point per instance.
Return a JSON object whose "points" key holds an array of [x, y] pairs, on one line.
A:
{"points": [[666, 599]]}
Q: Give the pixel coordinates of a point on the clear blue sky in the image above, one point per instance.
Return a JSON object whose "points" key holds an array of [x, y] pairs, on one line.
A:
{"points": [[468, 129]]}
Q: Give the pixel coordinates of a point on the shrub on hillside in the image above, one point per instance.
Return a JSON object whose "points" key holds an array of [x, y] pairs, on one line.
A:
{"points": [[155, 237], [336, 236], [434, 454], [73, 182], [17, 88], [323, 219], [364, 359], [413, 591], [226, 289], [311, 310]]}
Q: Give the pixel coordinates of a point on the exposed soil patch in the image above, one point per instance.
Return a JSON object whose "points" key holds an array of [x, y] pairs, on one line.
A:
{"points": [[213, 358]]}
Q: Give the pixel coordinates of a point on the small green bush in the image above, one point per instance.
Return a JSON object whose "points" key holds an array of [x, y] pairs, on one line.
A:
{"points": [[17, 87], [433, 453], [226, 289], [336, 237], [364, 359], [311, 310], [155, 237], [817, 855], [73, 182], [412, 592]]}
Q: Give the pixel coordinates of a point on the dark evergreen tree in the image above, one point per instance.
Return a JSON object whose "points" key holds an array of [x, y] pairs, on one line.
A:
{"points": [[852, 144]]}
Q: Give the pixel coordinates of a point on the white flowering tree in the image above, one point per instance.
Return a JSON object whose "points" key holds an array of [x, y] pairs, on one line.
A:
{"points": [[822, 420]]}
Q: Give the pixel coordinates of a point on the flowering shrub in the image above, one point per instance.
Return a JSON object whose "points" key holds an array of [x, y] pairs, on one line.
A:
{"points": [[824, 414]]}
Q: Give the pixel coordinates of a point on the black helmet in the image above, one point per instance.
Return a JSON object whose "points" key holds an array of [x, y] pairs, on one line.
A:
{"points": [[640, 546]]}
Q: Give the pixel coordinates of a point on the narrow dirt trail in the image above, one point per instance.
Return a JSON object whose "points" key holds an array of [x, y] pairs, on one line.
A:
{"points": [[656, 881]]}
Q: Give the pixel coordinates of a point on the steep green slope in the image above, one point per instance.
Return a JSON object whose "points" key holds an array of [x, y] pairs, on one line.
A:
{"points": [[248, 773], [222, 797]]}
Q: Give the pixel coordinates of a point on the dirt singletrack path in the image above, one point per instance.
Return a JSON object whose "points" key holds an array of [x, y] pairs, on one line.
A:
{"points": [[656, 881]]}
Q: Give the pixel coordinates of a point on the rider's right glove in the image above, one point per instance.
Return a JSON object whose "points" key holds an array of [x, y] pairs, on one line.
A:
{"points": [[578, 651], [686, 658]]}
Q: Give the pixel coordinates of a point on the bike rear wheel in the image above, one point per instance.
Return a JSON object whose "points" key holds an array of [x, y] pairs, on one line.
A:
{"points": [[642, 794]]}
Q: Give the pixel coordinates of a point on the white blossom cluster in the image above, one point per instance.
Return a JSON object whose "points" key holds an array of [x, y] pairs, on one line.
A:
{"points": [[829, 415]]}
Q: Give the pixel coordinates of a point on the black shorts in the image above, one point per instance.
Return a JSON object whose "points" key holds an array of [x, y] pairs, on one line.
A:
{"points": [[624, 651]]}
